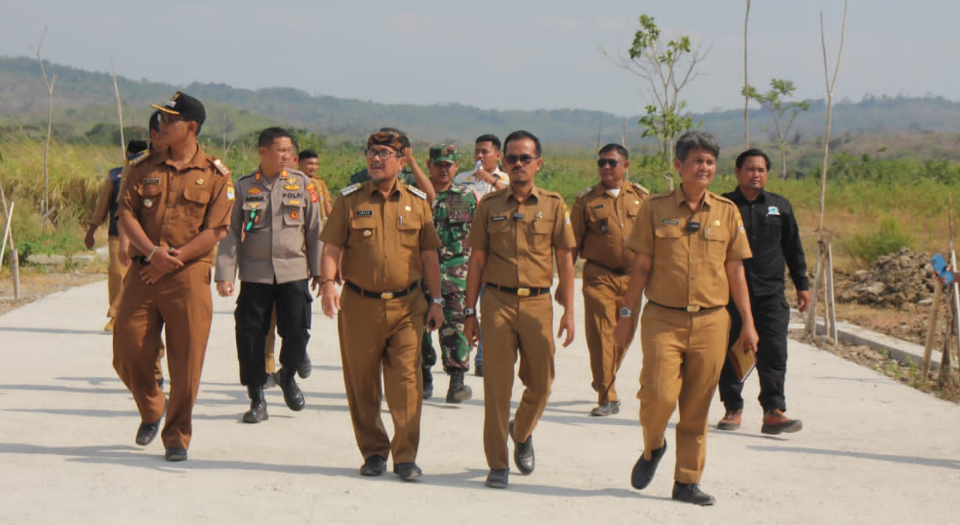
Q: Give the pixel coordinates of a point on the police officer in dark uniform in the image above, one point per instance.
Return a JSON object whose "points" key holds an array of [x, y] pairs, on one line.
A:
{"points": [[775, 241], [274, 238]]}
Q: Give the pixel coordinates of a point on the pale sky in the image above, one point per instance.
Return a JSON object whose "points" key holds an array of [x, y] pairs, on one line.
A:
{"points": [[494, 54]]}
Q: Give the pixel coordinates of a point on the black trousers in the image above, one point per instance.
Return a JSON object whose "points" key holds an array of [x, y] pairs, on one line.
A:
{"points": [[771, 315], [254, 307]]}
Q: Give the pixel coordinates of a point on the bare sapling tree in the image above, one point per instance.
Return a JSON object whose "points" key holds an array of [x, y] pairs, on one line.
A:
{"points": [[783, 112], [746, 82], [116, 93], [49, 83], [667, 66], [824, 275]]}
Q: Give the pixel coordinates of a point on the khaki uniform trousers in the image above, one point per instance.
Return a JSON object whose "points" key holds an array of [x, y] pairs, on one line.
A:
{"points": [[682, 357], [378, 335], [182, 302], [116, 272], [514, 326], [602, 290]]}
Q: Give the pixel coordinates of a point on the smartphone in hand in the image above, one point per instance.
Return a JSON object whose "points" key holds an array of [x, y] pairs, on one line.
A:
{"points": [[940, 266]]}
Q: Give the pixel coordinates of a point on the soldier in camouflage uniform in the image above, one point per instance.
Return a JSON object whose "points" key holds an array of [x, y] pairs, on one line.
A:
{"points": [[452, 214]]}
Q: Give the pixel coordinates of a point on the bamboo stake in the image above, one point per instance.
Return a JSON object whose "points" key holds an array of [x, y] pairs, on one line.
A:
{"points": [[746, 96], [116, 92], [931, 329], [954, 287], [831, 315], [45, 207], [6, 235], [947, 338]]}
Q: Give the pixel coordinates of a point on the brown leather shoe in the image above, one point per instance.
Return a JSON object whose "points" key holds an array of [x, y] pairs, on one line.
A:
{"points": [[731, 420], [774, 422]]}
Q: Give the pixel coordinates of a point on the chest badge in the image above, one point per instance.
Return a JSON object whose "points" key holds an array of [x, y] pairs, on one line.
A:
{"points": [[294, 214], [716, 223], [773, 210], [406, 208], [148, 203], [199, 182], [367, 233]]}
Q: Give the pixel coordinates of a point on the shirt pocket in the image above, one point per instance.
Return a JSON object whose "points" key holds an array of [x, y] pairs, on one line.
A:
{"points": [[196, 197], [293, 211], [363, 229], [501, 236], [599, 219], [252, 215], [717, 238], [149, 197], [541, 235], [409, 229]]}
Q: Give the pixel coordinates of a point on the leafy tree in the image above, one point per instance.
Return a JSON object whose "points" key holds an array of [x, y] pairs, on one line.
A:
{"points": [[782, 111], [668, 67]]}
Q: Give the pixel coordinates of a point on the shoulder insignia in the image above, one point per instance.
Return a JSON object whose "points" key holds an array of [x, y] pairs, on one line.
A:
{"points": [[351, 188], [661, 195], [640, 188], [139, 158], [221, 168], [721, 198], [417, 192], [585, 191]]}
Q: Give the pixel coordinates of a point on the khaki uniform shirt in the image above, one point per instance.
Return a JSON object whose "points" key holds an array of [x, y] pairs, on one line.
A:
{"points": [[519, 238], [323, 195], [274, 231], [602, 224], [688, 267], [174, 206], [381, 237]]}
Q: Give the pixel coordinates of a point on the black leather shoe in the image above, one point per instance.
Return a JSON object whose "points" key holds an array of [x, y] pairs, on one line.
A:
{"points": [[498, 478], [175, 454], [292, 395], [644, 470], [147, 432], [305, 368], [407, 471], [606, 409], [691, 493], [523, 454], [373, 466], [258, 406], [478, 369]]}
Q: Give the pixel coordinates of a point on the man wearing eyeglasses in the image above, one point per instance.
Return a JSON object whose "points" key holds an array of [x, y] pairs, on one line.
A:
{"points": [[383, 231], [175, 206], [512, 236], [603, 217], [274, 242], [690, 245], [410, 174]]}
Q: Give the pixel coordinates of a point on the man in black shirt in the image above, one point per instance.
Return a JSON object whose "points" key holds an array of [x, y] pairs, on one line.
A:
{"points": [[775, 242]]}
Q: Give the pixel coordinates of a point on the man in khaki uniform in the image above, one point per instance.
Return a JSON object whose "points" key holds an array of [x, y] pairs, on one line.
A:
{"points": [[274, 238], [512, 236], [309, 164], [602, 218], [383, 232], [175, 206], [690, 245]]}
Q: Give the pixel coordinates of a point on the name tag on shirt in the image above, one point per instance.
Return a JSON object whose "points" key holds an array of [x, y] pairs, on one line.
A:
{"points": [[364, 213]]}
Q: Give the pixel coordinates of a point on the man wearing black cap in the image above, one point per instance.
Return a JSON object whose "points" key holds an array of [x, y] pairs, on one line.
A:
{"points": [[174, 208]]}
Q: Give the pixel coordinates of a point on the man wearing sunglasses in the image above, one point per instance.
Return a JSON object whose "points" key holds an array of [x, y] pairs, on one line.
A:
{"points": [[174, 207], [603, 217], [515, 234], [383, 231], [690, 245]]}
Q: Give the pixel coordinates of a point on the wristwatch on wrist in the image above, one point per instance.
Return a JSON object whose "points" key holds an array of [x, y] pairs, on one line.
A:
{"points": [[437, 301], [625, 312], [469, 312]]}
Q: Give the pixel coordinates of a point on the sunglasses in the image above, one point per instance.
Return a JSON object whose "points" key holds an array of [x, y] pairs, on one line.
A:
{"points": [[524, 159], [603, 163]]}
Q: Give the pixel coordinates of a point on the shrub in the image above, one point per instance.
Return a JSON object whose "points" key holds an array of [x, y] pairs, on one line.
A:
{"points": [[866, 247]]}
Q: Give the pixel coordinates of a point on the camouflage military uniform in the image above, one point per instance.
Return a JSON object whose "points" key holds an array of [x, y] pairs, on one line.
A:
{"points": [[452, 214]]}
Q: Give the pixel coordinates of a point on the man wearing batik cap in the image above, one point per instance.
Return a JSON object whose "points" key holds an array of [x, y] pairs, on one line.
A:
{"points": [[384, 233], [410, 174], [175, 206], [452, 214]]}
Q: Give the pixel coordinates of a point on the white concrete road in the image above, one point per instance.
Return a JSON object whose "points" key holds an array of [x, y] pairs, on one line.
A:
{"points": [[872, 451]]}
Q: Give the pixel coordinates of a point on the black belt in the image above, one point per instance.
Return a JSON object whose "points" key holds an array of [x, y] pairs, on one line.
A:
{"points": [[520, 292], [690, 309], [381, 295], [615, 271]]}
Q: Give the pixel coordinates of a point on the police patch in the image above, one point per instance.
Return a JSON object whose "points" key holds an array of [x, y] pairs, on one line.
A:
{"points": [[230, 193], [254, 191]]}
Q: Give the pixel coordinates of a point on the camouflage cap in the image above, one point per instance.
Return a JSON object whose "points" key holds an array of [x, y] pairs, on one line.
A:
{"points": [[444, 153], [390, 139]]}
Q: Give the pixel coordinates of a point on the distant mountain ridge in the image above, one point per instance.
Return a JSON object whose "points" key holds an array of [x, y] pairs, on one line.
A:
{"points": [[84, 98]]}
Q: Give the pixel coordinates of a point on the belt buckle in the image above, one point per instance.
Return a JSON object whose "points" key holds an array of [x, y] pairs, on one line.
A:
{"points": [[523, 292], [386, 295], [693, 309]]}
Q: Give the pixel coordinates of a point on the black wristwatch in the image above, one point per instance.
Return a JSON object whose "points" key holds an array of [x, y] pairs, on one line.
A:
{"points": [[469, 312]]}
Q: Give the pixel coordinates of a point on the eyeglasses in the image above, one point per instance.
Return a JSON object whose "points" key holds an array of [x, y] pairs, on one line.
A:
{"points": [[524, 159], [382, 154], [602, 163]]}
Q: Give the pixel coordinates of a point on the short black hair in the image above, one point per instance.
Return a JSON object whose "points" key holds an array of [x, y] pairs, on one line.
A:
{"points": [[520, 135], [154, 123], [613, 146], [309, 154], [296, 147], [488, 137], [270, 135], [692, 140], [752, 152]]}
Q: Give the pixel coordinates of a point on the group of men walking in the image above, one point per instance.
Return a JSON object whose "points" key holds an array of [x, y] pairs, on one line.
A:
{"points": [[396, 260]]}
